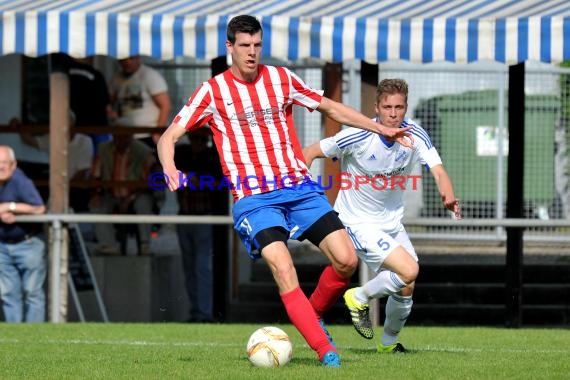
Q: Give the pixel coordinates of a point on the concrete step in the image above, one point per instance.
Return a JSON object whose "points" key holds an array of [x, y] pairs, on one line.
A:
{"points": [[484, 293], [447, 293], [443, 314], [446, 273]]}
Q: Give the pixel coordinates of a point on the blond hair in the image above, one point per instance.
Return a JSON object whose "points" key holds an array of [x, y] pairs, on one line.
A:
{"points": [[392, 87]]}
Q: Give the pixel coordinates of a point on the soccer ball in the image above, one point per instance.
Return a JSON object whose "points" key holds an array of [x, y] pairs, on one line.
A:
{"points": [[269, 347]]}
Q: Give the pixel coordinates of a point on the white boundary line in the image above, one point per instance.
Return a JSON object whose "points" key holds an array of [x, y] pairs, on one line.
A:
{"points": [[416, 349]]}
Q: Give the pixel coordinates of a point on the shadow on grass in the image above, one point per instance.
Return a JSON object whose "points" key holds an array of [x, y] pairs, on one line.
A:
{"points": [[309, 362], [372, 351]]}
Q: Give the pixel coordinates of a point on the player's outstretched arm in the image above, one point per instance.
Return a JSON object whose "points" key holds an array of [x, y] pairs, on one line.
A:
{"points": [[165, 148], [311, 152], [445, 188], [349, 116]]}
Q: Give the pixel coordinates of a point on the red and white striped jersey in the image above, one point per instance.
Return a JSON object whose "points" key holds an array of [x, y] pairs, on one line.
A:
{"points": [[253, 126]]}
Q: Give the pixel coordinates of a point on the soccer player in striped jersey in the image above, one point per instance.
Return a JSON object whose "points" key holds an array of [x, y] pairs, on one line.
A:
{"points": [[372, 207], [249, 109]]}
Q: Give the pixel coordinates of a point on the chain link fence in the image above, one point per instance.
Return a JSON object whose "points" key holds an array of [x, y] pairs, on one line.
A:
{"points": [[464, 109]]}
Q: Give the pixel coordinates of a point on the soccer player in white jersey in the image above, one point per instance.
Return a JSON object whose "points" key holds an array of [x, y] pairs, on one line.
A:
{"points": [[249, 109], [372, 207]]}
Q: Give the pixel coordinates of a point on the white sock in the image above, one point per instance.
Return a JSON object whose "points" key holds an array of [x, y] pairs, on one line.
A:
{"points": [[385, 283], [398, 309], [360, 295]]}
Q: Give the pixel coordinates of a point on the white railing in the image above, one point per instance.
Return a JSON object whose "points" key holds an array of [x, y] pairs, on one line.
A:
{"points": [[58, 222]]}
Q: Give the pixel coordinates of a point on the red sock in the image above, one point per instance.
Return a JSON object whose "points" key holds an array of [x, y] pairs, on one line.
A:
{"points": [[331, 285], [305, 320]]}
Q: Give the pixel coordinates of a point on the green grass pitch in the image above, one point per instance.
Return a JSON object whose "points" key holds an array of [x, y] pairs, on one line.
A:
{"points": [[217, 351]]}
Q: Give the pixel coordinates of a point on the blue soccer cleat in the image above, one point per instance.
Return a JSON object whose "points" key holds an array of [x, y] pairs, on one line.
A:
{"points": [[331, 359]]}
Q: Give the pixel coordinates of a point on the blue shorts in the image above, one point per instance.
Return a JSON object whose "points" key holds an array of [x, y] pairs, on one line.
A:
{"points": [[295, 210]]}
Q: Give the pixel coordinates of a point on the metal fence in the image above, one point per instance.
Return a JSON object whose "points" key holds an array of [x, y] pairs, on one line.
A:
{"points": [[464, 109], [58, 222]]}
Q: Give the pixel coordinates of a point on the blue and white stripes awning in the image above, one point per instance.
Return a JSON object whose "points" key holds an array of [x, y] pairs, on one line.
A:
{"points": [[509, 31]]}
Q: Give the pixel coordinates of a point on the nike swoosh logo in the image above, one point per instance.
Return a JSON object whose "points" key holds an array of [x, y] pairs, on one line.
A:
{"points": [[229, 103]]}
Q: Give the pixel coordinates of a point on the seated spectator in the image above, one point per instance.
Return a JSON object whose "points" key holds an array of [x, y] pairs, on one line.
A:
{"points": [[122, 159], [80, 160]]}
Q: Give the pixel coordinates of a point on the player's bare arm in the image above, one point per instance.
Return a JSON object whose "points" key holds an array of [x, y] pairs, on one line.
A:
{"points": [[349, 116], [446, 192], [165, 148], [311, 152], [162, 101]]}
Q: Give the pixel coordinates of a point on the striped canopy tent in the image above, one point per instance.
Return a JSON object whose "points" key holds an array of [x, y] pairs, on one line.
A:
{"points": [[421, 31]]}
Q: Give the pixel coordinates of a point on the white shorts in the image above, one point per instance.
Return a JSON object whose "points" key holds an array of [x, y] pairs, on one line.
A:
{"points": [[373, 245]]}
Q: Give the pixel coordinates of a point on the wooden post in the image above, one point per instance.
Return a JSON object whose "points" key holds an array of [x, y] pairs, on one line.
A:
{"points": [[58, 178], [368, 83], [333, 90]]}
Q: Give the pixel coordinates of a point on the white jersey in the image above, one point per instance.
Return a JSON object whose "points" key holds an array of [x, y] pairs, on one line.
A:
{"points": [[386, 165], [134, 94]]}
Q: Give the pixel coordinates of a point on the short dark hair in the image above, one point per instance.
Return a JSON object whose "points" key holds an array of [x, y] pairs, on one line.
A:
{"points": [[391, 87], [242, 24]]}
